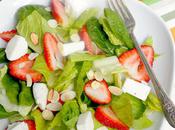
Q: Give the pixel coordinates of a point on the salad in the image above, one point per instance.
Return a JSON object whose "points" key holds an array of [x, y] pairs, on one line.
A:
{"points": [[66, 72]]}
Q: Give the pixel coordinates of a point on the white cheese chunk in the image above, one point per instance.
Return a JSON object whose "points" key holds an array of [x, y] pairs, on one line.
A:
{"points": [[136, 89], [3, 44], [18, 126], [16, 48], [73, 47], [85, 121], [40, 92]]}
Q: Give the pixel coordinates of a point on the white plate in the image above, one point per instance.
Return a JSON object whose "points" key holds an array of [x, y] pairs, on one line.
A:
{"points": [[148, 24]]}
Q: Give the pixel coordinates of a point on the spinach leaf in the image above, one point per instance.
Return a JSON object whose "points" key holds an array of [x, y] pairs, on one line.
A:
{"points": [[2, 55], [96, 33], [25, 96], [118, 27], [25, 11]]}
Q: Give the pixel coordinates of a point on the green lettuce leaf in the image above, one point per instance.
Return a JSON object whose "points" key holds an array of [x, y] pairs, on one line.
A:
{"points": [[80, 82], [25, 11], [25, 96], [67, 117], [153, 103], [66, 77], [4, 114], [41, 66], [118, 27], [142, 123], [99, 37], [11, 87], [123, 109], [78, 57], [84, 17], [128, 108], [34, 23], [41, 124], [2, 55], [114, 40], [148, 41], [120, 50]]}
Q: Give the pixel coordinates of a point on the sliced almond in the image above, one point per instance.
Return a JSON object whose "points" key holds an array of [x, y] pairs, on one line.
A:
{"points": [[34, 38], [75, 37], [115, 90], [54, 106], [90, 74], [96, 85], [32, 56], [71, 86], [21, 65], [98, 76], [69, 95], [53, 96], [52, 23], [48, 9], [29, 80], [47, 115], [50, 95]]}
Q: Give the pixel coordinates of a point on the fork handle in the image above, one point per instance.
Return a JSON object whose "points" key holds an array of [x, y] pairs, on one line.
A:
{"points": [[167, 105]]}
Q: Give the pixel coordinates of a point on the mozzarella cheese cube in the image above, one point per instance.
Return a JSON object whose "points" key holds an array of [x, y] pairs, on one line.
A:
{"points": [[136, 89], [16, 48], [72, 47], [18, 126], [85, 121], [102, 128], [40, 93]]}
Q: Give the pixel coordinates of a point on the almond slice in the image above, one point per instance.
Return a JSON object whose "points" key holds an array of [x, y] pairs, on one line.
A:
{"points": [[54, 106], [69, 95], [52, 23], [34, 38], [47, 115], [71, 87], [53, 96], [90, 74], [95, 85], [29, 80], [115, 90], [32, 56], [98, 76]]}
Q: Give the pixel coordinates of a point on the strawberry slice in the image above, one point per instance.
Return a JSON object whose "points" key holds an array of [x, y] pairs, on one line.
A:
{"points": [[31, 124], [90, 46], [132, 62], [58, 12], [51, 52], [107, 117], [6, 36], [21, 67], [98, 91]]}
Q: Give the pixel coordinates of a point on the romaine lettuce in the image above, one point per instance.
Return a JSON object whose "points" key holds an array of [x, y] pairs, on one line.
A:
{"points": [[2, 55], [34, 23], [84, 17], [4, 114]]}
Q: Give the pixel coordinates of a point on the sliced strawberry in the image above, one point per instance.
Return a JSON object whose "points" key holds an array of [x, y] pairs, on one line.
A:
{"points": [[58, 12], [51, 52], [23, 66], [98, 91], [132, 62], [106, 116], [31, 124], [90, 46], [6, 36]]}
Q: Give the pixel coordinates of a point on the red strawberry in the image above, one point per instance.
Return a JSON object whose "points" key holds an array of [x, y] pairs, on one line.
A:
{"points": [[51, 52], [23, 66], [58, 12], [6, 36], [98, 91], [31, 124], [132, 62], [90, 46], [106, 116]]}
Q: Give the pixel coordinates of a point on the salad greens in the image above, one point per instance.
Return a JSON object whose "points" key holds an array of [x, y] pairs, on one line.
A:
{"points": [[65, 89], [34, 23]]}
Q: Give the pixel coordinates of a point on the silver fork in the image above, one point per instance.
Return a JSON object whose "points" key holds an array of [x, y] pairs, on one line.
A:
{"points": [[167, 105]]}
